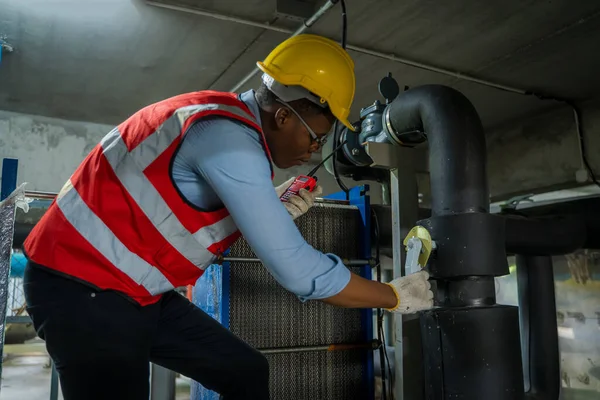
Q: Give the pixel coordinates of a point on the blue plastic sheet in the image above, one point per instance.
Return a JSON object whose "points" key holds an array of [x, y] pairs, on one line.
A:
{"points": [[17, 265], [207, 296]]}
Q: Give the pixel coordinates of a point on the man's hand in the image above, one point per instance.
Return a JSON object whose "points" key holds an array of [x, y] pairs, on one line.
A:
{"points": [[413, 293], [298, 205]]}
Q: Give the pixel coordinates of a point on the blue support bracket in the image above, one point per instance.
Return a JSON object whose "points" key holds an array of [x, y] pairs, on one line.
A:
{"points": [[226, 268], [10, 168]]}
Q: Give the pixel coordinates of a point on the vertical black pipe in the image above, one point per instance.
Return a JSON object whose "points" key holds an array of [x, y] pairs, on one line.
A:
{"points": [[471, 345], [539, 330], [457, 151]]}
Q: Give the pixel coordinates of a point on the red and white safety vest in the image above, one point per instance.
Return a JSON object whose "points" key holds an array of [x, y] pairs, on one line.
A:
{"points": [[120, 223]]}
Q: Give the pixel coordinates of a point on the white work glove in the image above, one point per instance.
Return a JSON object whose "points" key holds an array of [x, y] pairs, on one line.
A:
{"points": [[413, 293], [300, 204]]}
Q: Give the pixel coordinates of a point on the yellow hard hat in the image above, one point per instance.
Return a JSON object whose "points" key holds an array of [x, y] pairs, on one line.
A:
{"points": [[319, 65]]}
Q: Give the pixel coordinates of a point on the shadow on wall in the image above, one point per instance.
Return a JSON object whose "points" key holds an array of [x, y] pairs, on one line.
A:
{"points": [[577, 284]]}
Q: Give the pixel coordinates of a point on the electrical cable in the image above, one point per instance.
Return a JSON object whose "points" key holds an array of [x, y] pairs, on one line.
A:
{"points": [[579, 131], [344, 23], [336, 175], [582, 144], [380, 333], [383, 355]]}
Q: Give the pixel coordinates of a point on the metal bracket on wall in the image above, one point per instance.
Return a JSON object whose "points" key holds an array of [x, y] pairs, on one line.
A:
{"points": [[388, 156], [10, 167], [401, 162]]}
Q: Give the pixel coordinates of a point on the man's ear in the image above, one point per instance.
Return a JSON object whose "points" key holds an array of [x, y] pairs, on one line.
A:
{"points": [[282, 116]]}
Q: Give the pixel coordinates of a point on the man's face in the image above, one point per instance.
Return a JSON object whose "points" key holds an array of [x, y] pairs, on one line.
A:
{"points": [[289, 136]]}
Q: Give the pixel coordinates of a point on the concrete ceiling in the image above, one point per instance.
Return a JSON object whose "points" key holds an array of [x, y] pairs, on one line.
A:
{"points": [[101, 60]]}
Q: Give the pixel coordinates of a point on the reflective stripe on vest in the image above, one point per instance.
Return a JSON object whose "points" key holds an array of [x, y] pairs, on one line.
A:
{"points": [[99, 235], [128, 166]]}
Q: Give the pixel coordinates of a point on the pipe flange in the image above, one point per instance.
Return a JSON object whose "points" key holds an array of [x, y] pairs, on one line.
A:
{"points": [[389, 130]]}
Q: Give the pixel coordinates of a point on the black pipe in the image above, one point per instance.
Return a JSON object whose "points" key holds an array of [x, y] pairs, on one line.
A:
{"points": [[20, 234], [457, 151], [470, 344], [545, 236], [472, 353], [547, 233], [539, 330]]}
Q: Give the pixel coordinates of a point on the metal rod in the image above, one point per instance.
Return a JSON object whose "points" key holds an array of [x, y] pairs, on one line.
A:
{"points": [[439, 70], [305, 25], [374, 53], [257, 260], [405, 207], [51, 195], [323, 201], [40, 195], [373, 345]]}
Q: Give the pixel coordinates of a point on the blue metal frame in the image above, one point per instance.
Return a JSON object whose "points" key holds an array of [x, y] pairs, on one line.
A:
{"points": [[358, 196], [225, 292], [10, 167]]}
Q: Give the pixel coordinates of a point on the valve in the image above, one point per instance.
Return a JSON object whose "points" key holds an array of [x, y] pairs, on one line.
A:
{"points": [[419, 247]]}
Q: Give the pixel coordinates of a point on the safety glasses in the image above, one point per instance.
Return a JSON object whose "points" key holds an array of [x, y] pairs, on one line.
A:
{"points": [[314, 138]]}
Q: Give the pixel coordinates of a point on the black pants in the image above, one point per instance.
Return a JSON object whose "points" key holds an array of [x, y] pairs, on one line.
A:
{"points": [[102, 342]]}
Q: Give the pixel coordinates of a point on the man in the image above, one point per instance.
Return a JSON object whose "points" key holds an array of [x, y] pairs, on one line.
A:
{"points": [[163, 195]]}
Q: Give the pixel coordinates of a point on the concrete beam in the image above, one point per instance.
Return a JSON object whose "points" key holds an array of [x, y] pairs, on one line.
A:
{"points": [[541, 153], [532, 155]]}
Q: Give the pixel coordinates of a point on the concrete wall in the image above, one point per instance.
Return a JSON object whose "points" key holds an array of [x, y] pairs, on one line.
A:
{"points": [[50, 149]]}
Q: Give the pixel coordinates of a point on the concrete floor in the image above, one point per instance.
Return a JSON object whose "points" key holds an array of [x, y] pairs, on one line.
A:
{"points": [[26, 374]]}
